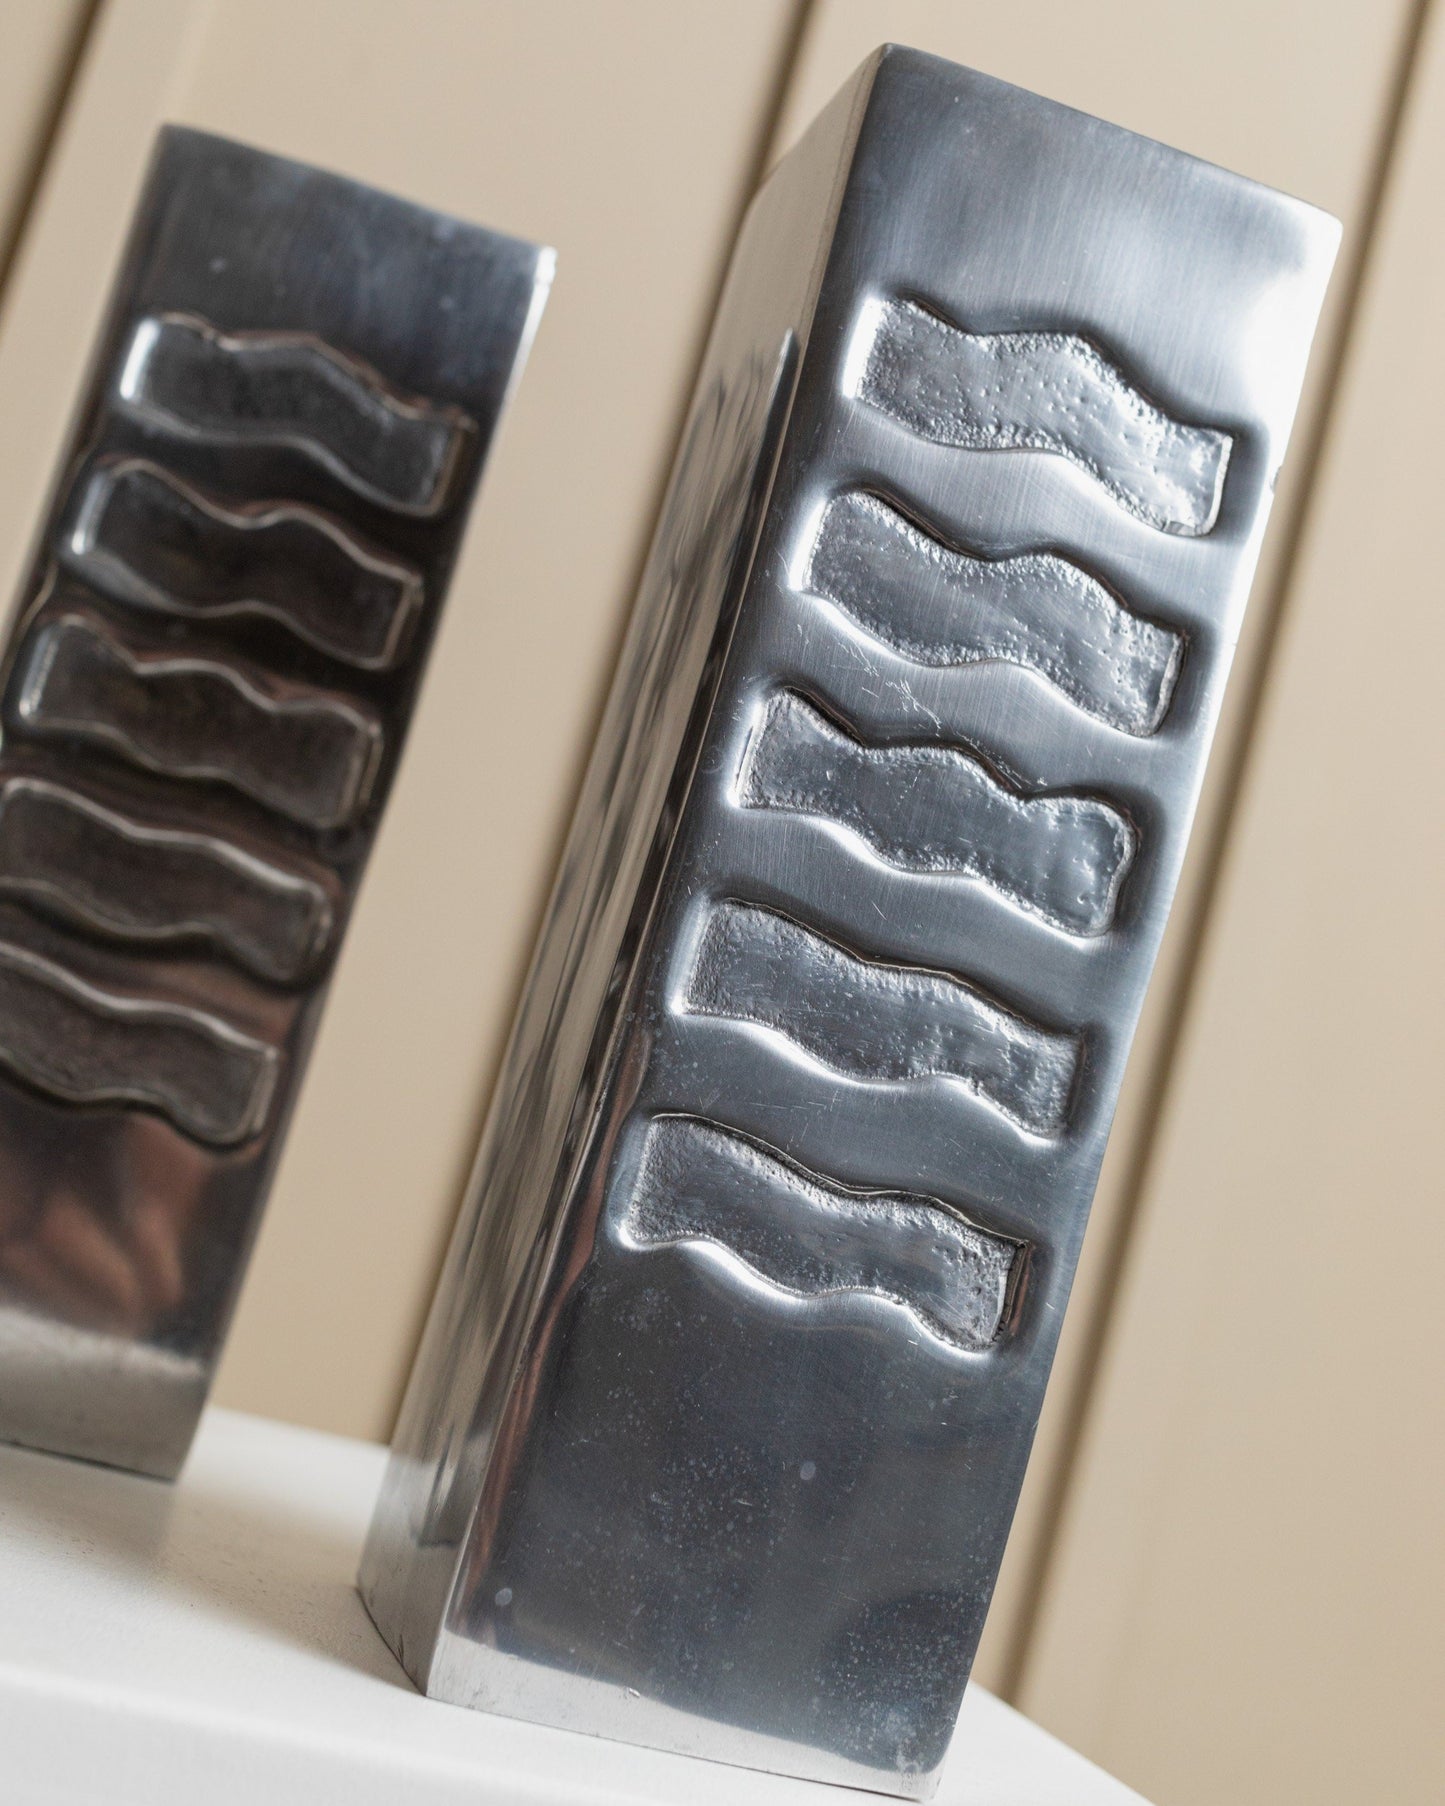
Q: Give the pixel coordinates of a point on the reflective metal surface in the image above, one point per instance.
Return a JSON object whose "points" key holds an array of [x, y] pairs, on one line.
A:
{"points": [[722, 1412], [206, 687]]}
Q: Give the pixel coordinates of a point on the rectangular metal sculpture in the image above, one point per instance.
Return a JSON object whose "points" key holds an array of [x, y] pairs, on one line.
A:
{"points": [[721, 1415], [206, 687]]}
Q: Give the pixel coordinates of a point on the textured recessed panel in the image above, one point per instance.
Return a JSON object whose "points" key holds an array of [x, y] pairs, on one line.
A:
{"points": [[310, 755], [146, 537], [935, 809], [872, 1020], [116, 876], [86, 1045], [1041, 391], [291, 388], [941, 607], [819, 1240]]}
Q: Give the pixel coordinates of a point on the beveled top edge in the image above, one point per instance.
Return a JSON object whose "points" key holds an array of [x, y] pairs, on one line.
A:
{"points": [[175, 139], [892, 59]]}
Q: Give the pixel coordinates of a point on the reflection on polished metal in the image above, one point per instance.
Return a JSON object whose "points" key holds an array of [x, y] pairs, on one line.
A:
{"points": [[718, 1425], [205, 693]]}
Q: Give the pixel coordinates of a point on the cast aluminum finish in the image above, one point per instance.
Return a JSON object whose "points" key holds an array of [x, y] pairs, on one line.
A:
{"points": [[722, 1412], [205, 691]]}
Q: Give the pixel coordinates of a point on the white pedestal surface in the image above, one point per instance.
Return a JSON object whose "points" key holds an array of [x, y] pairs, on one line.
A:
{"points": [[204, 1644]]}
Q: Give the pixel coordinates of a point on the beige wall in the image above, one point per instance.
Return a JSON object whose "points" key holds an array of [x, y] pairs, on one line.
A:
{"points": [[1205, 1573]]}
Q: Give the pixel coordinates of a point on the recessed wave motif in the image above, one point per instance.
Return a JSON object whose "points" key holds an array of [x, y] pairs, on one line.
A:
{"points": [[933, 809], [942, 608], [815, 1239], [1039, 391], [84, 1045], [291, 388], [875, 1021], [148, 538], [304, 752], [127, 880]]}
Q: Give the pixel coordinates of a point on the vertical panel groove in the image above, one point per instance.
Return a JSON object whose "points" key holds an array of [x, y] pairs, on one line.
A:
{"points": [[61, 90]]}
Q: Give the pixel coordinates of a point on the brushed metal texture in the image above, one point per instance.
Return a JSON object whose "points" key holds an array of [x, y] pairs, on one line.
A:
{"points": [[720, 1418], [206, 686]]}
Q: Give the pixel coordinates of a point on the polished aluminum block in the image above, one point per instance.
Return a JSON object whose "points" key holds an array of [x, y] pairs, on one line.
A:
{"points": [[206, 687], [722, 1412]]}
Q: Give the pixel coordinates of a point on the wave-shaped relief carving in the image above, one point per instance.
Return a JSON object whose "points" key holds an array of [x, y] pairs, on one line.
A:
{"points": [[130, 881], [816, 1239], [875, 1021], [1039, 391], [84, 1045], [143, 535], [942, 608], [933, 809], [304, 752], [291, 388]]}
